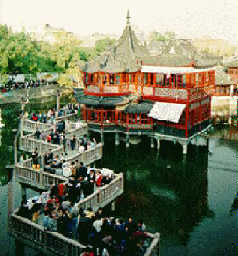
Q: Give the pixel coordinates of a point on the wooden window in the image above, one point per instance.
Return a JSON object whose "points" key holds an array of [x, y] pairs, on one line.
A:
{"points": [[117, 79], [180, 81], [151, 78], [173, 80], [123, 77], [159, 79], [145, 78]]}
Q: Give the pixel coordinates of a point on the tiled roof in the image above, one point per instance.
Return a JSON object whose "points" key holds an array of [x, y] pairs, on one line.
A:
{"points": [[125, 56]]}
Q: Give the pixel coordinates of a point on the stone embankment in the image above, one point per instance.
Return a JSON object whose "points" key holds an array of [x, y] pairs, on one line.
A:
{"points": [[44, 91]]}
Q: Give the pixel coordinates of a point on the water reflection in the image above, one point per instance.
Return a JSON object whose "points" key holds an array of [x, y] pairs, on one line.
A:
{"points": [[234, 205], [225, 133], [168, 193], [0, 137]]}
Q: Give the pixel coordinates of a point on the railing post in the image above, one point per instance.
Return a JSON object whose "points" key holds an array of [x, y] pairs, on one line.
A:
{"points": [[152, 142], [15, 150], [21, 126], [102, 137], [113, 206], [127, 140], [117, 139]]}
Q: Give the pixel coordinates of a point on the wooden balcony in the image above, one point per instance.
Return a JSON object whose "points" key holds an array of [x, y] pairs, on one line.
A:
{"points": [[115, 118], [107, 90]]}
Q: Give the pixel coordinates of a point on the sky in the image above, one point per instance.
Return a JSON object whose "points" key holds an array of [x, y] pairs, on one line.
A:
{"points": [[188, 18]]}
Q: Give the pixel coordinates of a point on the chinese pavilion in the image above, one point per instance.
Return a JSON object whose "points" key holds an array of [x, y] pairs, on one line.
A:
{"points": [[123, 94]]}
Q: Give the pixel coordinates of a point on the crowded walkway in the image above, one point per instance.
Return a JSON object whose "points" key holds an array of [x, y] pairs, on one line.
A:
{"points": [[58, 210]]}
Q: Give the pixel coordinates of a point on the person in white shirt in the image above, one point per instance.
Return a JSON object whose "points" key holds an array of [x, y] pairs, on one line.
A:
{"points": [[97, 224], [81, 148], [67, 172]]}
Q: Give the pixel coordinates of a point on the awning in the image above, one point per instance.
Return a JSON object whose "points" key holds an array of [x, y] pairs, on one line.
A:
{"points": [[142, 108], [172, 70], [167, 111], [98, 101]]}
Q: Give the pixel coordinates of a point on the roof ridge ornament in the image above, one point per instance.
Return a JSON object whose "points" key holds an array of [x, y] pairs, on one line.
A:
{"points": [[128, 18]]}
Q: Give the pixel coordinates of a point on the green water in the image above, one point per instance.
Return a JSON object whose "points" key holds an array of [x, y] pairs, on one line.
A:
{"points": [[188, 202]]}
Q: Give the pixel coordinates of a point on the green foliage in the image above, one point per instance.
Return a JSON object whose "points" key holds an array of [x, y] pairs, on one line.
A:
{"points": [[3, 78], [21, 54], [167, 36], [65, 80], [102, 44]]}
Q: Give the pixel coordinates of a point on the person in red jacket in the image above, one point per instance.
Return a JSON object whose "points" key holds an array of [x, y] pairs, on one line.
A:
{"points": [[61, 189], [99, 179]]}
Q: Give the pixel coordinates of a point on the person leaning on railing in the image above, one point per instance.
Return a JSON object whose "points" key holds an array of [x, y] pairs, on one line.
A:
{"points": [[35, 163], [37, 134]]}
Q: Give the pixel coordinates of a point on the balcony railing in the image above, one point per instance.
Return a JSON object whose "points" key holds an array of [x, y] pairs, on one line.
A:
{"points": [[107, 90], [41, 179]]}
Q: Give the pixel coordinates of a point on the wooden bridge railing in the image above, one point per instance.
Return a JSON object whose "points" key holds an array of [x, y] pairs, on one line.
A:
{"points": [[65, 116], [89, 156], [29, 144], [36, 178], [31, 126], [51, 242], [42, 180], [104, 195], [28, 232], [54, 242], [77, 129], [24, 229], [153, 249]]}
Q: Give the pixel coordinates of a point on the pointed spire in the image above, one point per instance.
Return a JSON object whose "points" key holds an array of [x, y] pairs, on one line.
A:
{"points": [[128, 18]]}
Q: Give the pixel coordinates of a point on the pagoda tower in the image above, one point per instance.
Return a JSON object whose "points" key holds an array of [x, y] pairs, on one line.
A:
{"points": [[124, 94]]}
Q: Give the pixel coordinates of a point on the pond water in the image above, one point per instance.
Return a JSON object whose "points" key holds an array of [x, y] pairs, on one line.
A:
{"points": [[188, 202]]}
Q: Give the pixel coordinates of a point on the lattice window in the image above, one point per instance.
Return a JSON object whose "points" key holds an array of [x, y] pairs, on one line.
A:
{"points": [[159, 79], [145, 78]]}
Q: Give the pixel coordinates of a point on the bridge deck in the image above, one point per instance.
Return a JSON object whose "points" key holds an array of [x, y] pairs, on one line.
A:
{"points": [[25, 174], [55, 243]]}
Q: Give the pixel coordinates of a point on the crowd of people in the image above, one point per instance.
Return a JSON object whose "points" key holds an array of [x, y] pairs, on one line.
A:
{"points": [[50, 115], [60, 163], [78, 143], [58, 211], [71, 144]]}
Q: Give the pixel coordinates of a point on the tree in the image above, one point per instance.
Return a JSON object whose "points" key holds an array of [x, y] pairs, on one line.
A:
{"points": [[167, 36], [22, 53], [102, 44], [3, 78]]}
